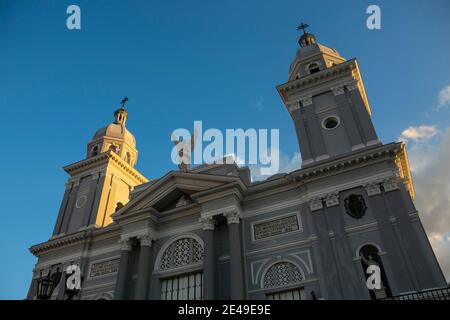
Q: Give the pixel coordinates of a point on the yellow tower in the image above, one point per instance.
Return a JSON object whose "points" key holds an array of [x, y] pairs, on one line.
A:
{"points": [[101, 183]]}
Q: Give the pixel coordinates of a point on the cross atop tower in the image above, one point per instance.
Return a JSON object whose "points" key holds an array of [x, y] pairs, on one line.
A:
{"points": [[123, 102], [303, 27]]}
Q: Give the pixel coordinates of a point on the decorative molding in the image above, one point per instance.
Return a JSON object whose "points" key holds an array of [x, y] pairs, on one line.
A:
{"points": [[338, 90], [232, 216], [208, 223], [106, 156], [307, 161], [373, 142], [56, 243], [277, 226], [351, 85], [295, 105], [306, 100], [372, 188], [315, 204], [332, 199], [390, 184], [358, 147], [125, 245], [322, 157], [145, 241]]}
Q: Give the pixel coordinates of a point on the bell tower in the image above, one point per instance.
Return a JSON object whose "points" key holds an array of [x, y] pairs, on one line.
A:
{"points": [[100, 184], [326, 98]]}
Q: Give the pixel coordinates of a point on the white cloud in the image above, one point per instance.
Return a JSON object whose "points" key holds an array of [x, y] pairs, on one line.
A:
{"points": [[431, 174], [286, 164], [422, 132], [444, 97]]}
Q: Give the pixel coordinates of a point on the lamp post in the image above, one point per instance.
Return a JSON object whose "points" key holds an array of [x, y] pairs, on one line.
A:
{"points": [[46, 285]]}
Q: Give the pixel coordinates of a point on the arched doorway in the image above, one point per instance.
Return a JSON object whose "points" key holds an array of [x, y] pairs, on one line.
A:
{"points": [[370, 256]]}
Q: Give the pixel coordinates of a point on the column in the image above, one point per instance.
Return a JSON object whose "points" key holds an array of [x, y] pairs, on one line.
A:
{"points": [[331, 278], [236, 267], [314, 129], [65, 223], [360, 107], [144, 268], [209, 261], [123, 270], [351, 124]]}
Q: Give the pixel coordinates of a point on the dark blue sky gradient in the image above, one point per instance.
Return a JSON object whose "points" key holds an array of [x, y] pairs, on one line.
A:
{"points": [[180, 61]]}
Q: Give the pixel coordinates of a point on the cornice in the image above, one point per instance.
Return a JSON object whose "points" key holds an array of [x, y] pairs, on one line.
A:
{"points": [[344, 163], [58, 242], [104, 158], [312, 79]]}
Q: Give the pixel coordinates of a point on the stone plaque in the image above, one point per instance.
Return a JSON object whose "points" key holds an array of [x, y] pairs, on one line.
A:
{"points": [[104, 267], [275, 227]]}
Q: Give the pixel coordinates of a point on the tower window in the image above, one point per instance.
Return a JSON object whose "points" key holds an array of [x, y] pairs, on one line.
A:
{"points": [[119, 206], [128, 158], [330, 123], [313, 68], [113, 148], [94, 151], [370, 256]]}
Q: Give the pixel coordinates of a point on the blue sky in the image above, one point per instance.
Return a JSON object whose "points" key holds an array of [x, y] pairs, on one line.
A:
{"points": [[180, 61]]}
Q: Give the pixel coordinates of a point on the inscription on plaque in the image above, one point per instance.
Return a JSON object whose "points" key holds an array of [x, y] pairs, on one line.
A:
{"points": [[275, 227], [104, 267]]}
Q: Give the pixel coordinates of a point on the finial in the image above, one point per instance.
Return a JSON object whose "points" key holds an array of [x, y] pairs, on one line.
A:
{"points": [[303, 27], [123, 102], [121, 114], [307, 38]]}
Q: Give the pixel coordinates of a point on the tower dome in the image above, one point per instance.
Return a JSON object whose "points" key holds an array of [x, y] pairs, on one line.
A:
{"points": [[312, 57], [115, 137]]}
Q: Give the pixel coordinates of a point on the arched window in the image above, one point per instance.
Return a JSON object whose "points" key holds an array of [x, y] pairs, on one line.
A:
{"points": [[119, 206], [113, 148], [282, 274], [128, 157], [370, 256], [94, 151], [313, 68], [182, 252]]}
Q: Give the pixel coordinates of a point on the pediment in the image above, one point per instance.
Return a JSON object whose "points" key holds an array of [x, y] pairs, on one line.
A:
{"points": [[175, 190]]}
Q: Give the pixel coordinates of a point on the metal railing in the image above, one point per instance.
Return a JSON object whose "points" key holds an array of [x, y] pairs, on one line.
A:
{"points": [[432, 294]]}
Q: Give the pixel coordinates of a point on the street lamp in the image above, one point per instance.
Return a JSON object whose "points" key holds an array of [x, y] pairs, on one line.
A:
{"points": [[46, 285]]}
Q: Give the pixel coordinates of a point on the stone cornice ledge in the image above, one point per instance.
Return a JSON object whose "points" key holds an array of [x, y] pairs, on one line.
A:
{"points": [[58, 242], [316, 77], [109, 155], [343, 163]]}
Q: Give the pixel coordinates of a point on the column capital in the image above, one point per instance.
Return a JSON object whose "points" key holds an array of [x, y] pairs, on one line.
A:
{"points": [[145, 240], [294, 105], [332, 199], [125, 244], [232, 216], [352, 85], [372, 188], [208, 223], [315, 204], [338, 90], [390, 184]]}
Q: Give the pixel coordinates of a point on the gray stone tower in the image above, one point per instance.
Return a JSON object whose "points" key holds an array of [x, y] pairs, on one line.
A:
{"points": [[325, 97]]}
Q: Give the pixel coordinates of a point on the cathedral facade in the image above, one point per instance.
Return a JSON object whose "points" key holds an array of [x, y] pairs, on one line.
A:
{"points": [[211, 233]]}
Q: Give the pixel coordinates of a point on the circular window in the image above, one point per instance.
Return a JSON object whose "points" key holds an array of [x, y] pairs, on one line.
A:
{"points": [[80, 201], [330, 123]]}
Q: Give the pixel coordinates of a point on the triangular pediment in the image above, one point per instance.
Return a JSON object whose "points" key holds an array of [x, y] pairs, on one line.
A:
{"points": [[175, 190]]}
